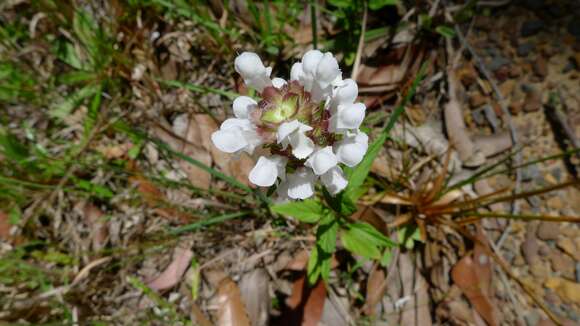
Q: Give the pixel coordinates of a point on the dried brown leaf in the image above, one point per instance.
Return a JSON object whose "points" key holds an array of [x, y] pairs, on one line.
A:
{"points": [[188, 127], [172, 275], [473, 278], [375, 290], [231, 309], [307, 303], [491, 145], [416, 310], [254, 288], [98, 226]]}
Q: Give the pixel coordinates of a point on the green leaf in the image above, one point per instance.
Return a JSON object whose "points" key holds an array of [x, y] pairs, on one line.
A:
{"points": [[445, 31], [408, 234], [65, 107], [85, 29], [378, 4], [313, 267], [326, 233], [363, 239], [308, 211], [353, 242]]}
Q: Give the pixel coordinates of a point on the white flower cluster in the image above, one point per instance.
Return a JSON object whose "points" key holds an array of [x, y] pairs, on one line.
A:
{"points": [[305, 126]]}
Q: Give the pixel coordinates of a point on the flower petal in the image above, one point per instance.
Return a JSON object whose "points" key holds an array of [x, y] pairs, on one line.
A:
{"points": [[286, 128], [302, 146], [310, 61], [301, 184], [296, 72], [350, 152], [266, 170], [278, 82], [322, 160], [243, 106], [234, 123], [334, 180], [229, 140], [350, 116], [347, 93], [248, 65], [327, 70]]}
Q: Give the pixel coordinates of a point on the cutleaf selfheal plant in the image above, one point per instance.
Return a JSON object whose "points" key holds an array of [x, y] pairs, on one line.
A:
{"points": [[305, 130]]}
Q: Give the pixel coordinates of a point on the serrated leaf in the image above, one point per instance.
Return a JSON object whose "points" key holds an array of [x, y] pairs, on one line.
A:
{"points": [[326, 233], [308, 211], [356, 244], [363, 239]]}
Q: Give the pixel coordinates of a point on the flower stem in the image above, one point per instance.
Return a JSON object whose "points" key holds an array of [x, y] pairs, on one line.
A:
{"points": [[314, 23]]}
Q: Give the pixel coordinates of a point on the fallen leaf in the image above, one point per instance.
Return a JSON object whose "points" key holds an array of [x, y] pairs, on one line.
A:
{"points": [[375, 290], [99, 230], [306, 303], [473, 278], [457, 131], [300, 260], [491, 145], [254, 288], [189, 129], [231, 309], [172, 275], [416, 310]]}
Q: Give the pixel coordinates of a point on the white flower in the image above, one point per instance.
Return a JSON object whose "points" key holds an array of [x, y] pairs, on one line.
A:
{"points": [[250, 67], [301, 184], [351, 150], [278, 82], [293, 133], [318, 73], [267, 170], [345, 94], [348, 116], [334, 180], [243, 106], [322, 160], [236, 135]]}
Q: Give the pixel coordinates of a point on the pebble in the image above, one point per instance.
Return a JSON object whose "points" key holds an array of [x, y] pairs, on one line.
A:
{"points": [[555, 203], [566, 290], [532, 318], [533, 102], [478, 117], [476, 100], [531, 27], [497, 62], [540, 67], [548, 231], [530, 247], [563, 264], [515, 71], [568, 246], [530, 172], [540, 270], [524, 49]]}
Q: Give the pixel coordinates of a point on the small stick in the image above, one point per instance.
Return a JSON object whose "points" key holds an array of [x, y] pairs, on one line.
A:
{"points": [[361, 42]]}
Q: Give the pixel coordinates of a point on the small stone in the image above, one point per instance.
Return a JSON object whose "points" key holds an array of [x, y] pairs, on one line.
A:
{"points": [[567, 290], [569, 247], [524, 49], [498, 62], [530, 172], [516, 106], [563, 264], [502, 73], [476, 100], [555, 203], [548, 231], [532, 318], [507, 87], [540, 67], [533, 102], [515, 71], [531, 27], [540, 270], [530, 246], [478, 117]]}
